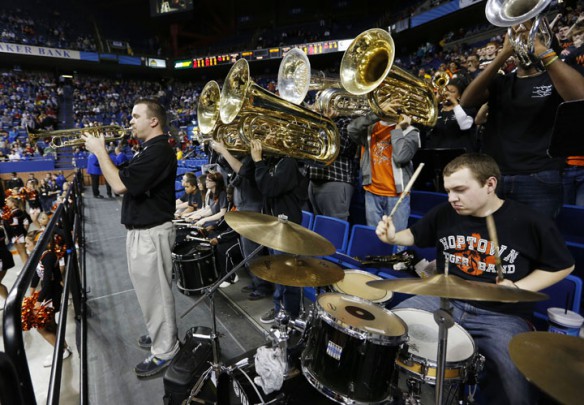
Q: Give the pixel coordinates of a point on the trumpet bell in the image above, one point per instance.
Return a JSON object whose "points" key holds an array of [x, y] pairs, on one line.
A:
{"points": [[367, 61], [208, 107], [294, 76]]}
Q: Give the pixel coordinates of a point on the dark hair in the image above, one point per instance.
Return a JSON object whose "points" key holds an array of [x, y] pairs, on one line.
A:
{"points": [[480, 165], [459, 83], [219, 184], [154, 109], [191, 180]]}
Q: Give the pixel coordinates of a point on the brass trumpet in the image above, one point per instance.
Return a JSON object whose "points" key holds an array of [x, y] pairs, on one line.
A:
{"points": [[63, 138]]}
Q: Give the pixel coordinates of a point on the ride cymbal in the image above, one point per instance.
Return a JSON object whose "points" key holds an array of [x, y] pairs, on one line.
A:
{"points": [[551, 361], [454, 287], [278, 234], [296, 271]]}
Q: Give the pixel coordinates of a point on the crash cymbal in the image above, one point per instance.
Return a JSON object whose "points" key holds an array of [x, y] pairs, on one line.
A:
{"points": [[451, 286], [296, 271], [278, 234], [553, 362]]}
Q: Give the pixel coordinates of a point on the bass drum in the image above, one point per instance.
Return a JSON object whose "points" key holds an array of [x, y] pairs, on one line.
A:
{"points": [[417, 364], [351, 349], [194, 266]]}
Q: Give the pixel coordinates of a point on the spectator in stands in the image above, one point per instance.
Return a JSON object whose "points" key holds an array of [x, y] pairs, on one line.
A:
{"points": [[6, 262], [94, 170], [14, 182], [472, 66], [490, 52], [331, 187], [387, 150], [522, 109], [60, 179]]}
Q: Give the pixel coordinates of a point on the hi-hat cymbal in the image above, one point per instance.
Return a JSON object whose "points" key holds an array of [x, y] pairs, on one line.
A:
{"points": [[451, 286], [553, 362], [296, 271], [279, 234]]}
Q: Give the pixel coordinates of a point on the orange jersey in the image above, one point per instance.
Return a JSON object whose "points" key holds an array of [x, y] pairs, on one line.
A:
{"points": [[382, 182]]}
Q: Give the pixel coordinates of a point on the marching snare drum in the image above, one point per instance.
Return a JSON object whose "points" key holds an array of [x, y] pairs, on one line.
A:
{"points": [[355, 283], [351, 349], [194, 263], [418, 362]]}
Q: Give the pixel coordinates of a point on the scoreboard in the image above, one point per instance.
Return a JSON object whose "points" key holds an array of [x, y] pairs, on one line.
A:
{"points": [[314, 48]]}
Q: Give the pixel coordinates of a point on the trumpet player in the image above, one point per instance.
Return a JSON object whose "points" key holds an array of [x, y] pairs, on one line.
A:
{"points": [[147, 184], [522, 109], [455, 126]]}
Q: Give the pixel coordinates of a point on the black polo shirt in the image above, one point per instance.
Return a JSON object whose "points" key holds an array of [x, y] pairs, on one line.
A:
{"points": [[149, 179]]}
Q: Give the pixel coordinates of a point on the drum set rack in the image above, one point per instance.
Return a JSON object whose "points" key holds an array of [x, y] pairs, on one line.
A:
{"points": [[351, 349]]}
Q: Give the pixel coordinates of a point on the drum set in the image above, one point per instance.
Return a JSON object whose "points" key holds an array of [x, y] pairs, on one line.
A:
{"points": [[351, 349]]}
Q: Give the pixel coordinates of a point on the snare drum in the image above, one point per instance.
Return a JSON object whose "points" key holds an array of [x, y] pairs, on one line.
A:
{"points": [[418, 364], [194, 264], [351, 349], [355, 283]]}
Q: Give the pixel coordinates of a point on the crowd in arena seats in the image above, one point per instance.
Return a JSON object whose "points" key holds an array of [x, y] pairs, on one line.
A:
{"points": [[28, 27]]}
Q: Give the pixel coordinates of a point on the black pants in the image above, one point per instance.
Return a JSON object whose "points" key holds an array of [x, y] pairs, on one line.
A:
{"points": [[95, 185]]}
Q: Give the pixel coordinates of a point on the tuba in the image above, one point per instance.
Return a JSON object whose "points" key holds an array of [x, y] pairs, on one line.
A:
{"points": [[367, 68], [210, 124], [283, 127], [296, 79], [526, 14]]}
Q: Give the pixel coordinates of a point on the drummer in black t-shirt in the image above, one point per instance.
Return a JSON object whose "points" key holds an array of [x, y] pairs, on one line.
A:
{"points": [[533, 257], [522, 108]]}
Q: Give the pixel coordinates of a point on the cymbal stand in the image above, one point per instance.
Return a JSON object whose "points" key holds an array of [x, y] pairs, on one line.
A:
{"points": [[210, 293], [443, 317]]}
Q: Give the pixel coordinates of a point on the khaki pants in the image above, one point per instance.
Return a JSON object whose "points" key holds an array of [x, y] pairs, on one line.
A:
{"points": [[150, 267]]}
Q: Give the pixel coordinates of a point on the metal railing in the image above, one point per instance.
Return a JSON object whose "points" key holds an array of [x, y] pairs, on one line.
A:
{"points": [[69, 217]]}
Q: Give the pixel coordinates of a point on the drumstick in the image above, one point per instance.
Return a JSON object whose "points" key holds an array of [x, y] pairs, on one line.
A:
{"points": [[407, 189], [494, 240]]}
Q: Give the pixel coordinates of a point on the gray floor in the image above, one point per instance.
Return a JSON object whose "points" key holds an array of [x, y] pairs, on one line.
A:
{"points": [[116, 321]]}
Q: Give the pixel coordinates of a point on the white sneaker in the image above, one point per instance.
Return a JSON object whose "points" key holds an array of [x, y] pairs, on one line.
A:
{"points": [[49, 359], [228, 283]]}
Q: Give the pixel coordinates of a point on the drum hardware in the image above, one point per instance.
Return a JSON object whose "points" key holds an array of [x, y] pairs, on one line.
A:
{"points": [[551, 361], [194, 238]]}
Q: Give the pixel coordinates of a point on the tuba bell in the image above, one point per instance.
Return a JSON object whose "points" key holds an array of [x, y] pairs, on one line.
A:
{"points": [[210, 124], [367, 68], [283, 127], [524, 21], [296, 79]]}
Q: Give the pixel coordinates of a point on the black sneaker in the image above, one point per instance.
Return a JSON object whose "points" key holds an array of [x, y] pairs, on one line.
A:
{"points": [[269, 316], [98, 196], [152, 365], [145, 342], [256, 295], [247, 289]]}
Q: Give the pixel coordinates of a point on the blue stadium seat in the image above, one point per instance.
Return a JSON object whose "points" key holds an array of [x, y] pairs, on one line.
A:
{"points": [[307, 219], [570, 223], [567, 292], [422, 201], [364, 242], [334, 229]]}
